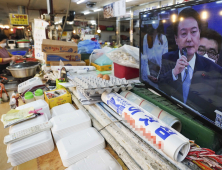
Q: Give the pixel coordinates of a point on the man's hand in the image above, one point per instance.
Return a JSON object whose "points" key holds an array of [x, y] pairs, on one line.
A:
{"points": [[180, 65]]}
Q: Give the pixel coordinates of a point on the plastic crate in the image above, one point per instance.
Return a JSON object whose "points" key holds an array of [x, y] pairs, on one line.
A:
{"points": [[102, 27], [102, 68], [19, 53], [109, 28], [125, 72], [191, 128]]}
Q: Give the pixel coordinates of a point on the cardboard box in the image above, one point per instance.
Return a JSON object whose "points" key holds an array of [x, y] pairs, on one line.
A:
{"points": [[62, 56], [65, 98], [54, 46], [66, 63]]}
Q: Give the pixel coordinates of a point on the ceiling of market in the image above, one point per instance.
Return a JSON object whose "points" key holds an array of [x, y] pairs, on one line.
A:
{"points": [[59, 7]]}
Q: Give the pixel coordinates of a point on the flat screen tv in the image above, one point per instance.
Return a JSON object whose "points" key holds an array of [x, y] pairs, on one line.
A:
{"points": [[181, 55]]}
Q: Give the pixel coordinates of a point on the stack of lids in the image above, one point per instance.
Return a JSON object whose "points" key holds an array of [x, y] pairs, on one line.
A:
{"points": [[100, 160], [79, 145], [69, 123], [61, 109], [31, 147]]}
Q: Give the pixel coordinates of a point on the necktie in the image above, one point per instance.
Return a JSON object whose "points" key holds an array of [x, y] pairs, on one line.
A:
{"points": [[186, 84]]}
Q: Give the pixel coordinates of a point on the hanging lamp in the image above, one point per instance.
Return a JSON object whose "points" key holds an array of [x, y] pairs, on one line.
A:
{"points": [[98, 30]]}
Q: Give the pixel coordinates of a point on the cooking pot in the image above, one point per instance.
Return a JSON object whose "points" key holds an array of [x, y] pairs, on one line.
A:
{"points": [[23, 70]]}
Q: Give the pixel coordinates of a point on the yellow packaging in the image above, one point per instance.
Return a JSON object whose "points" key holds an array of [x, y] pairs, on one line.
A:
{"points": [[102, 68], [59, 86], [62, 99]]}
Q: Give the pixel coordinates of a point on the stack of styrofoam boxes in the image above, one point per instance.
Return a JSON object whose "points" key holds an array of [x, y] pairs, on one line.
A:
{"points": [[76, 139], [34, 146]]}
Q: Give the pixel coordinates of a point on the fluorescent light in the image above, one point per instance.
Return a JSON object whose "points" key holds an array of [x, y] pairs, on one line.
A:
{"points": [[163, 12], [70, 22], [81, 1], [144, 15], [128, 0], [173, 9], [97, 10], [86, 13], [218, 2], [153, 22]]}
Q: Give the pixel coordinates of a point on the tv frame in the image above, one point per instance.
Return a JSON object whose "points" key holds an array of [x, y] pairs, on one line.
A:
{"points": [[198, 116]]}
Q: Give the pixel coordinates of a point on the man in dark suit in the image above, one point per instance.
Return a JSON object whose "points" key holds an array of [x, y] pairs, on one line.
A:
{"points": [[191, 78]]}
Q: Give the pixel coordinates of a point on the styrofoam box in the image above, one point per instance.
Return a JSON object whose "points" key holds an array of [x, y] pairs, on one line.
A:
{"points": [[101, 160], [62, 109], [79, 145], [67, 124], [37, 105], [30, 148]]}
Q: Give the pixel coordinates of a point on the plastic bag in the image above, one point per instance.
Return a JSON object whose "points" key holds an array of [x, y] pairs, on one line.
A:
{"points": [[103, 60], [87, 46], [99, 53], [126, 56]]}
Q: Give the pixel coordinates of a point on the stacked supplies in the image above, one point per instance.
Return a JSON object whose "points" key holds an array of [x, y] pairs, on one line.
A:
{"points": [[33, 146]]}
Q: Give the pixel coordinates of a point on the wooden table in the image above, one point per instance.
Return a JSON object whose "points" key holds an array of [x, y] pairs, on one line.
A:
{"points": [[50, 161]]}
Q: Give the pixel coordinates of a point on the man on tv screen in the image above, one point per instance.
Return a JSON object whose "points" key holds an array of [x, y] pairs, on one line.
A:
{"points": [[186, 75], [210, 44]]}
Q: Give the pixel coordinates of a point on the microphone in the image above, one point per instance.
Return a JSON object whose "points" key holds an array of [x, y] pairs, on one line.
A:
{"points": [[184, 52]]}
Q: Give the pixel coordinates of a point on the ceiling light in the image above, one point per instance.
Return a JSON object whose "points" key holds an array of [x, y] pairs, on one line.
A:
{"points": [[11, 29], [164, 21], [128, 0], [173, 9], [204, 15], [86, 13], [181, 18], [220, 14], [219, 2], [99, 31], [163, 12], [97, 10], [7, 26], [74, 31], [81, 1], [70, 22]]}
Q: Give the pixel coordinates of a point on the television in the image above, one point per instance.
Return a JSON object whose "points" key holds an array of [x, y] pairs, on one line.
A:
{"points": [[181, 56]]}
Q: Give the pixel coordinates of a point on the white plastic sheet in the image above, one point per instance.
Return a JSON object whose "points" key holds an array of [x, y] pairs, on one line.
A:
{"points": [[157, 133]]}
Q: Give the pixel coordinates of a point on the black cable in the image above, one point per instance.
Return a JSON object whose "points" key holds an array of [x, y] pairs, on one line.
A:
{"points": [[109, 124]]}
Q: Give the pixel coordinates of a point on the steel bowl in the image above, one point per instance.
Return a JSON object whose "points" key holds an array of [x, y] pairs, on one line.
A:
{"points": [[23, 70]]}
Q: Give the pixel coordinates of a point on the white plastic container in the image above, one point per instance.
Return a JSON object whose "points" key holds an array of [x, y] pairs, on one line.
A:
{"points": [[37, 105], [69, 123], [28, 123], [39, 97], [101, 160], [35, 81], [79, 145], [29, 100], [30, 148], [63, 109]]}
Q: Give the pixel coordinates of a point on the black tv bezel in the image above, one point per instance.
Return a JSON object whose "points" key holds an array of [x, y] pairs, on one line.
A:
{"points": [[198, 117]]}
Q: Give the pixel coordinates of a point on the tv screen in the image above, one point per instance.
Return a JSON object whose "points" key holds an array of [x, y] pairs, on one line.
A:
{"points": [[181, 55]]}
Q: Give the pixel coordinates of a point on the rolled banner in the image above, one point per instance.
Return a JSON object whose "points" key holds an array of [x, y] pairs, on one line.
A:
{"points": [[167, 118], [156, 132]]}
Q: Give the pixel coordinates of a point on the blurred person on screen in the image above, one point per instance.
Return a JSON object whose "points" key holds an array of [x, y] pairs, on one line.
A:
{"points": [[210, 44], [192, 77], [154, 46]]}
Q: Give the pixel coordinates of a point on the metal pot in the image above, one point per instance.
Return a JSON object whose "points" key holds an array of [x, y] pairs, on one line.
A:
{"points": [[23, 70]]}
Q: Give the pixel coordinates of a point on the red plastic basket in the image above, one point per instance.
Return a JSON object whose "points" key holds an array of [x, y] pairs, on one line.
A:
{"points": [[102, 27], [125, 72]]}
